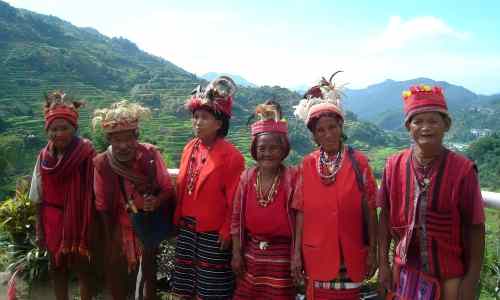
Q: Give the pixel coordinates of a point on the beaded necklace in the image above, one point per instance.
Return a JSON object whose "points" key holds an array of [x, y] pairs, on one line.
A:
{"points": [[264, 199], [195, 167], [328, 168], [423, 178]]}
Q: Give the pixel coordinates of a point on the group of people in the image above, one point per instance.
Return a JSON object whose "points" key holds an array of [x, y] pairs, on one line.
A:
{"points": [[260, 232]]}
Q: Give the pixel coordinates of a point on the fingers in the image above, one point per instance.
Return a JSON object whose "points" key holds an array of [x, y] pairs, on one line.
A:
{"points": [[224, 244]]}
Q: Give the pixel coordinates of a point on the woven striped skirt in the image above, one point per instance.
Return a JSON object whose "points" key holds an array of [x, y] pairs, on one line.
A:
{"points": [[201, 268], [267, 273]]}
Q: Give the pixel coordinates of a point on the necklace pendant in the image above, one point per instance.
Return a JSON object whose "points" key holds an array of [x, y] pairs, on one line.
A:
{"points": [[427, 181]]}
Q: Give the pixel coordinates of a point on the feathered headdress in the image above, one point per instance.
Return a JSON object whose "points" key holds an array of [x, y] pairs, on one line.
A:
{"points": [[120, 116], [60, 106], [217, 96], [324, 97], [269, 120]]}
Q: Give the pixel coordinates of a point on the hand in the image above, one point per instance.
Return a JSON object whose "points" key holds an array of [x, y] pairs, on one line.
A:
{"points": [[296, 269], [224, 244], [151, 203], [385, 277], [468, 287], [238, 264], [371, 263], [41, 242]]}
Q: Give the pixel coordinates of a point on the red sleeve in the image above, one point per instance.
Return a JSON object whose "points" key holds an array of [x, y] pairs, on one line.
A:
{"points": [[382, 195], [238, 199], [471, 202], [232, 173], [100, 198], [371, 186], [298, 198]]}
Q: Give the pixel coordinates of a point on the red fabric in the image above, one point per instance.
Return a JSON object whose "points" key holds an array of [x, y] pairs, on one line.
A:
{"points": [[67, 204], [61, 112], [267, 273], [270, 221], [269, 126], [109, 197], [247, 180], [325, 294], [215, 188], [333, 221], [189, 202], [459, 203], [223, 105], [140, 166], [121, 125], [420, 100], [322, 108]]}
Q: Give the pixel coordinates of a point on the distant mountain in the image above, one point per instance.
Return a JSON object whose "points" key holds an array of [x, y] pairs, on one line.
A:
{"points": [[40, 53], [238, 79], [381, 103], [301, 88]]}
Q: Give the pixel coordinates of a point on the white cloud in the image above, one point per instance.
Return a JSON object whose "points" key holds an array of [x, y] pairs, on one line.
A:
{"points": [[400, 33]]}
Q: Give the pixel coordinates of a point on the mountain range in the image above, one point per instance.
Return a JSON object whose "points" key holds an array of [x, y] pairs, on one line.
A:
{"points": [[40, 53], [240, 81]]}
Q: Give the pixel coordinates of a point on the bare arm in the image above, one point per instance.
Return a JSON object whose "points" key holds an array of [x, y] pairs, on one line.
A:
{"points": [[296, 264], [237, 262], [473, 254], [384, 241], [372, 243]]}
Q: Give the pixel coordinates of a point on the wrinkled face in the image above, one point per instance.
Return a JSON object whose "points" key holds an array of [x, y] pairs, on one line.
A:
{"points": [[60, 132], [124, 144], [427, 129], [327, 133], [205, 125], [269, 151]]}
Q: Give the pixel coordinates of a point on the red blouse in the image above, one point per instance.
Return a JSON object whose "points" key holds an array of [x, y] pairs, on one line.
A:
{"points": [[270, 221]]}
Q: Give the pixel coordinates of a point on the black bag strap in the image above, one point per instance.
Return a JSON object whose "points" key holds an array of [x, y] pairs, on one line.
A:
{"points": [[361, 186]]}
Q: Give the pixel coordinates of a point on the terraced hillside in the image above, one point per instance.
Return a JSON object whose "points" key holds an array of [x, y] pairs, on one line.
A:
{"points": [[39, 54]]}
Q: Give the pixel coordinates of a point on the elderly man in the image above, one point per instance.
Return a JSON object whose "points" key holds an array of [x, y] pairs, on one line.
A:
{"points": [[132, 190], [431, 206]]}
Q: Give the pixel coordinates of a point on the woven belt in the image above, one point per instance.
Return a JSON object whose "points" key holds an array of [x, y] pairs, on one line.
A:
{"points": [[337, 285], [264, 244]]}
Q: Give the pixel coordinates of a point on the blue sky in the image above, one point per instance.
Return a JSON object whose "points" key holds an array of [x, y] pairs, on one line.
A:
{"points": [[291, 43]]}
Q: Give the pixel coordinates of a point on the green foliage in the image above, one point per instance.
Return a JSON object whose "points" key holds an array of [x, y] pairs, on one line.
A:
{"points": [[486, 153], [490, 273], [17, 232]]}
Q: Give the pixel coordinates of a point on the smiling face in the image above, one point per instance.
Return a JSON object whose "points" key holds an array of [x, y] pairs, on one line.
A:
{"points": [[269, 151], [328, 133], [205, 125], [60, 132], [427, 129], [124, 144]]}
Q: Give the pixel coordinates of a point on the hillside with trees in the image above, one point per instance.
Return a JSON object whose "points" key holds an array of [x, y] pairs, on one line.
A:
{"points": [[40, 53]]}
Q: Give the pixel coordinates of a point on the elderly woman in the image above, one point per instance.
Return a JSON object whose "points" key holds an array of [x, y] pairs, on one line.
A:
{"points": [[132, 194], [208, 177], [335, 203], [62, 188], [431, 207], [263, 225]]}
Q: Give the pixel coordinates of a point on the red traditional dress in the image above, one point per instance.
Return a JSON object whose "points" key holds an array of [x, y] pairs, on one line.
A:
{"points": [[206, 185], [63, 187], [334, 243], [110, 199], [427, 211], [266, 238]]}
